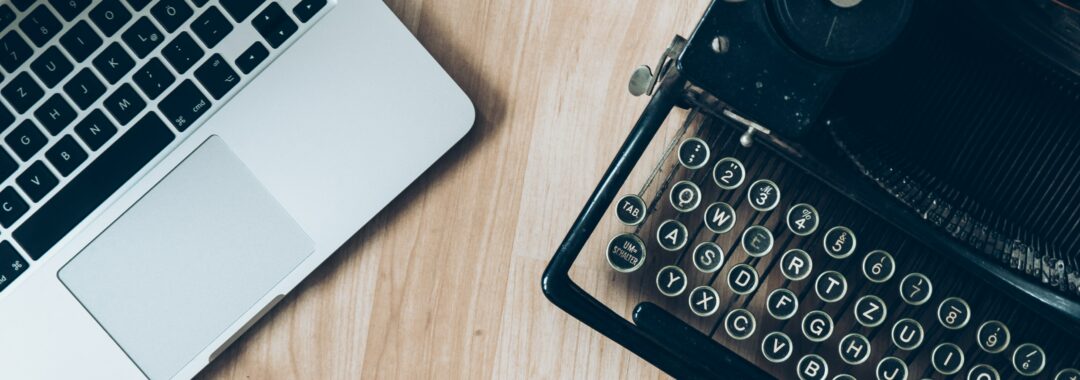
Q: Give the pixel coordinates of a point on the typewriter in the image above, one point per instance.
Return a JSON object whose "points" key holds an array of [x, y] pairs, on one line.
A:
{"points": [[845, 189]]}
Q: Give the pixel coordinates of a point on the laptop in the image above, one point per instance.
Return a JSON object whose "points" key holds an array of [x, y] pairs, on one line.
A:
{"points": [[172, 168]]}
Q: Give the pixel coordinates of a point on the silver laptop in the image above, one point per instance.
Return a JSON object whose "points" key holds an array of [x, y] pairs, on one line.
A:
{"points": [[172, 168]]}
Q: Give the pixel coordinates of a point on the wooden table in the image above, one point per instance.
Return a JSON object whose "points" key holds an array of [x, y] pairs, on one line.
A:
{"points": [[445, 282]]}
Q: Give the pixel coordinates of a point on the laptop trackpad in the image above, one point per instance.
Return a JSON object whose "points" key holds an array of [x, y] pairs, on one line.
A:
{"points": [[182, 264]]}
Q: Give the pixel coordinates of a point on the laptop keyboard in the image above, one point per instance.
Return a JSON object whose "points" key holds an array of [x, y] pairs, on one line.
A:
{"points": [[91, 92]]}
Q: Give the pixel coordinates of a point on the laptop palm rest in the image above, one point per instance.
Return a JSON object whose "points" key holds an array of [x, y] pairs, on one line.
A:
{"points": [[187, 260]]}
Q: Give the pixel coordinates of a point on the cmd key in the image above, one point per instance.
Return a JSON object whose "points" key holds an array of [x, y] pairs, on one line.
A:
{"points": [[11, 265], [184, 105]]}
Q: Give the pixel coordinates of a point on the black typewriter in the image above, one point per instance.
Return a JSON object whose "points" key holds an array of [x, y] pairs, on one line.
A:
{"points": [[845, 189]]}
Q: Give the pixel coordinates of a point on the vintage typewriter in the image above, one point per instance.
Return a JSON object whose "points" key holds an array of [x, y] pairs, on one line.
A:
{"points": [[842, 189]]}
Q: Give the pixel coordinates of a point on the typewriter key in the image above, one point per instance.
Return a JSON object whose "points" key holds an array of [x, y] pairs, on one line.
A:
{"points": [[985, 372], [915, 289], [1028, 359], [870, 311], [671, 235], [782, 304], [802, 219], [947, 359], [993, 337], [729, 173], [763, 195], [854, 349], [693, 153], [817, 326], [757, 241], [776, 347], [1067, 374], [626, 253], [891, 368], [671, 280], [953, 313], [739, 324], [708, 257], [630, 210], [839, 242], [742, 279], [796, 264], [830, 286], [719, 217], [812, 367], [907, 334], [704, 301], [685, 196], [878, 266]]}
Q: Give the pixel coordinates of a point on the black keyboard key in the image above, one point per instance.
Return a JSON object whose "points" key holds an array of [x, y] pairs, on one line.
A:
{"points": [[84, 88], [40, 25], [81, 41], [95, 129], [143, 37], [217, 76], [8, 166], [153, 78], [52, 67], [55, 114], [138, 5], [241, 9], [182, 52], [171, 14], [6, 119], [7, 16], [22, 92], [15, 51], [252, 57], [114, 62], [36, 181], [11, 265], [110, 16], [307, 9], [26, 140], [66, 155], [23, 4], [274, 25], [185, 104], [12, 207], [211, 27], [69, 9], [100, 179], [124, 104]]}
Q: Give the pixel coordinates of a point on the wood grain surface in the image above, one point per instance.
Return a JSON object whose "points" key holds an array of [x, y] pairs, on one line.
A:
{"points": [[445, 282]]}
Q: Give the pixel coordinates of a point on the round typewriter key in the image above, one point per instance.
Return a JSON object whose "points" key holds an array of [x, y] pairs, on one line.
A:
{"points": [[839, 242], [782, 304], [870, 311], [947, 359], [757, 241], [844, 376], [1028, 359], [728, 173], [685, 196], [812, 367], [854, 349], [802, 219], [763, 195], [891, 368], [742, 279], [630, 210], [953, 313], [993, 337], [907, 334], [671, 280], [671, 235], [830, 286], [817, 326], [626, 253], [776, 347], [719, 217], [693, 153], [704, 301], [739, 324], [985, 372], [915, 289], [1067, 374], [878, 266], [708, 257], [796, 264]]}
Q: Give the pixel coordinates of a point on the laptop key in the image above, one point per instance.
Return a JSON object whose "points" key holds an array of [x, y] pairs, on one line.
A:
{"points": [[14, 51], [307, 9], [12, 206], [55, 114], [52, 67], [40, 25], [8, 166], [22, 92], [84, 88], [142, 37], [184, 105], [6, 118], [182, 52], [95, 129], [274, 25], [241, 9], [114, 62], [217, 76], [7, 16], [66, 155], [69, 9], [11, 265], [211, 27], [153, 78], [252, 57], [124, 104], [172, 14], [81, 41], [87, 190], [36, 181], [25, 140], [110, 16]]}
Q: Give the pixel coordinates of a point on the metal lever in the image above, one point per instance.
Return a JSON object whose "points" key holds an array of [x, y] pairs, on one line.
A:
{"points": [[643, 81]]}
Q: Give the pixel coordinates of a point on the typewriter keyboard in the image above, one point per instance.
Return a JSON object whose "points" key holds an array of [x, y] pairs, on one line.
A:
{"points": [[771, 263]]}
